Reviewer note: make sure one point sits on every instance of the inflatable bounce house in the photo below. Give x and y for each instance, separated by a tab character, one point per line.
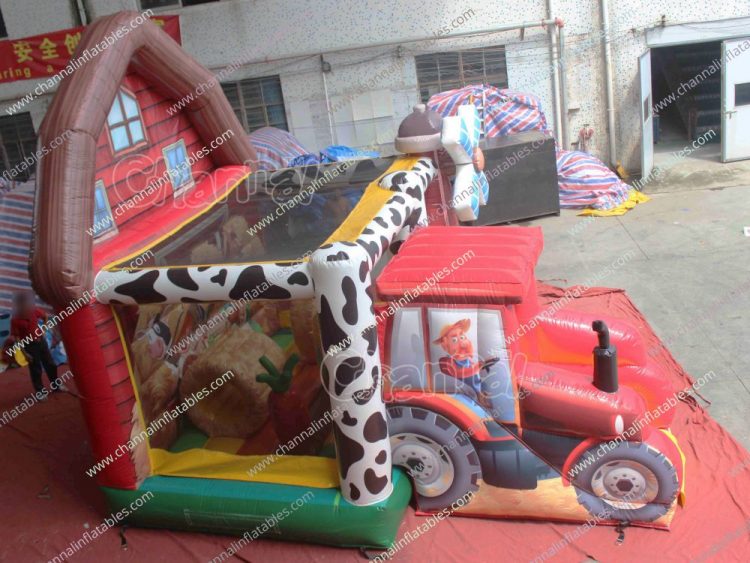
334	338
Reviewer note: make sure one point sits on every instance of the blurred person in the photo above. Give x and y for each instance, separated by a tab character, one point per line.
23	327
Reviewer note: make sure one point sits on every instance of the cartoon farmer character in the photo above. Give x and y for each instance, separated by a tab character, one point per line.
459	362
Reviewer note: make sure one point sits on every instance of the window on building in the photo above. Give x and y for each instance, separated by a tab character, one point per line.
258	102
18	146
438	72
155	4
3	31
125	124
103	221
180	172
742	94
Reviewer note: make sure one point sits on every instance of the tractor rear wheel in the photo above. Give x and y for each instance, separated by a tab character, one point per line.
438	456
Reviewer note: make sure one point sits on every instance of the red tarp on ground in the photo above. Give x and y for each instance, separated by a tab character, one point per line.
48	500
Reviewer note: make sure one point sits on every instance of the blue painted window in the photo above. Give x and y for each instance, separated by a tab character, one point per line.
103	221
180	172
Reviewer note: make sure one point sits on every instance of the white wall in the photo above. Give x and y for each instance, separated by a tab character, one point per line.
628	46
371	89
247	31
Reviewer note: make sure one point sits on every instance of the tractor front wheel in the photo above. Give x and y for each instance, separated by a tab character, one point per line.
632	482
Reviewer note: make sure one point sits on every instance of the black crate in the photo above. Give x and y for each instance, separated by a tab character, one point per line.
522	172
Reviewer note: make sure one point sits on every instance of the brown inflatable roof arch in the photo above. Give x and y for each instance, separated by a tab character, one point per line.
60	262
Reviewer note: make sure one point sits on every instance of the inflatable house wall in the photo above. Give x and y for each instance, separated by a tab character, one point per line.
112	200
113	115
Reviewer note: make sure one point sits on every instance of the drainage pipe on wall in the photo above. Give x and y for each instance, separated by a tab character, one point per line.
325	69
606	38
563	85
555	62
83	16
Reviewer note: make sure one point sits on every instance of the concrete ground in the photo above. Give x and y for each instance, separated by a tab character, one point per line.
700	169
685	262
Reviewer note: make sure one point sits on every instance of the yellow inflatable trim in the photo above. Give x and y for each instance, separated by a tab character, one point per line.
136	390
370	204
303	471
634	198
681	498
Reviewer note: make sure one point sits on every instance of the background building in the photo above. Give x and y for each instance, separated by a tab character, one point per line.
348	72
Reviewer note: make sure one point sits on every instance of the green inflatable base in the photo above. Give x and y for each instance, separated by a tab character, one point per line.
255	510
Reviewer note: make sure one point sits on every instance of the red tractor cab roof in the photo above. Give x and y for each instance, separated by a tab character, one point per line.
463	265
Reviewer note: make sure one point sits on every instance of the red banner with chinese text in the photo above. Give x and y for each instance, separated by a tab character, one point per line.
47	54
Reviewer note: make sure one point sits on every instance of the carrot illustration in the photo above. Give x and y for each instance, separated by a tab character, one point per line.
289	413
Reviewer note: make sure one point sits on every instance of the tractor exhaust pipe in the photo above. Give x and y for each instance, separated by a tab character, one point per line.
605	360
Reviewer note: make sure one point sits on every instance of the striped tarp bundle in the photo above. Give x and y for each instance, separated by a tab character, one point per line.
584	180
16	216
504	112
277	149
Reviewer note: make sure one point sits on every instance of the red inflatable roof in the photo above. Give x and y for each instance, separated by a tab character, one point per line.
463	265
143	230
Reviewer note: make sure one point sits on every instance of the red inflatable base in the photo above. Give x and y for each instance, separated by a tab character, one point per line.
49	500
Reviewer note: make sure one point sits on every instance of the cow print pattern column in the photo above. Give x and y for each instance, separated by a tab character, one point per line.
351	371
195	284
414	183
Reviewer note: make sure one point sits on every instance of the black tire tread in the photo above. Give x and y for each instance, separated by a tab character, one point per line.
462	454
596	506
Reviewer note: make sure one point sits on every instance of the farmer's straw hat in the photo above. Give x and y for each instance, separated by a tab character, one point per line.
463	324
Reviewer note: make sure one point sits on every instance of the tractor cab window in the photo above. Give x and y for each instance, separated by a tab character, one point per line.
408	366
468	356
